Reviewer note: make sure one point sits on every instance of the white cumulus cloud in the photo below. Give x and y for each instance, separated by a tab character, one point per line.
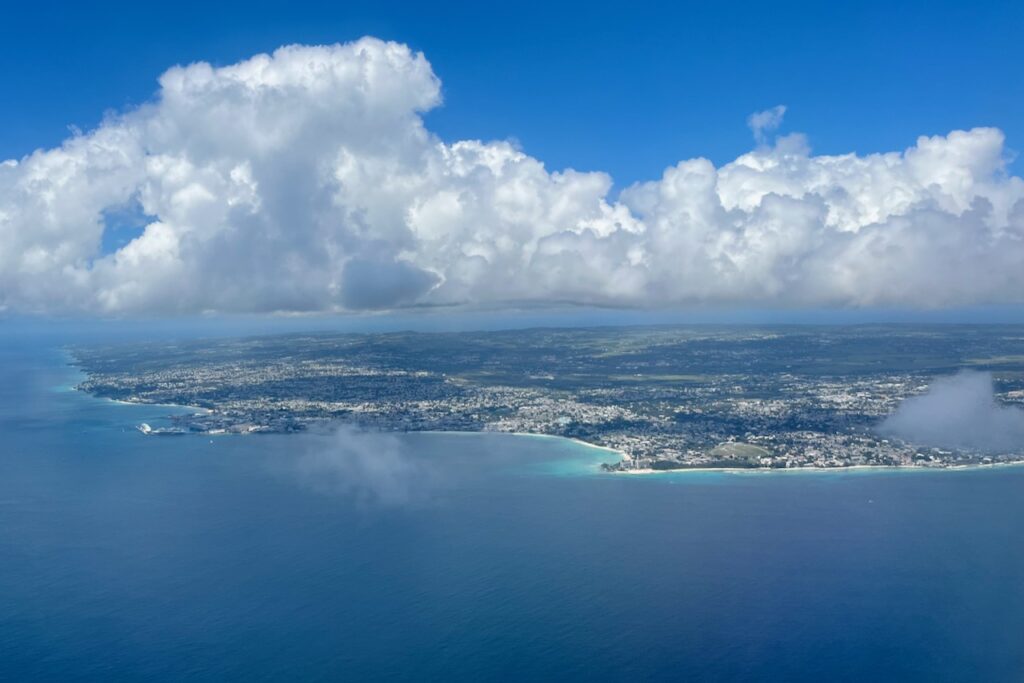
762	122
306	180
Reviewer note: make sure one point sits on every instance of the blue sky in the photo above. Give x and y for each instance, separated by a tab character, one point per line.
627	88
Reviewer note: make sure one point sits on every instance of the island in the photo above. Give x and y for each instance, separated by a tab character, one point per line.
665	397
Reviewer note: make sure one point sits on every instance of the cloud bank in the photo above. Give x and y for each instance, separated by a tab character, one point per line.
306	180
959	412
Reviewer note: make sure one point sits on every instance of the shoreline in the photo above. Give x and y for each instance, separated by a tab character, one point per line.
822	470
138	404
118	401
533	435
74	386
728	470
621	455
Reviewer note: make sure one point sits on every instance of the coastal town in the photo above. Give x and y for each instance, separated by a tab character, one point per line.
665	398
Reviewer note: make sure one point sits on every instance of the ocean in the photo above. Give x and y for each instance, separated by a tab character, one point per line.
340	555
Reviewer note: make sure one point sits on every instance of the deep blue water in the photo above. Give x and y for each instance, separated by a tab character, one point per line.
472	557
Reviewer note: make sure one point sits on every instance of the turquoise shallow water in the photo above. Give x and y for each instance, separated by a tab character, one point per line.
333	556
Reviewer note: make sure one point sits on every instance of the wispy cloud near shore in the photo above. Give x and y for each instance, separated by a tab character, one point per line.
959	412
373	469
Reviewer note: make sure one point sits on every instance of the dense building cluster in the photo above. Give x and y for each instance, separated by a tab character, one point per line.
666	397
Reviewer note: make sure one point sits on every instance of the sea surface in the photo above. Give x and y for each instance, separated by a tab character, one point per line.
341	555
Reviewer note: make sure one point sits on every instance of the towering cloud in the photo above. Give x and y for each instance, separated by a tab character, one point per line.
306	181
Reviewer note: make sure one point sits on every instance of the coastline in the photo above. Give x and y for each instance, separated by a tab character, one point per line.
620	455
864	469
176	406
579	442
821	470
73	385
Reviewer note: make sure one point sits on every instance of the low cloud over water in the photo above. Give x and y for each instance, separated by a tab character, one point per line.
958	412
372	468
